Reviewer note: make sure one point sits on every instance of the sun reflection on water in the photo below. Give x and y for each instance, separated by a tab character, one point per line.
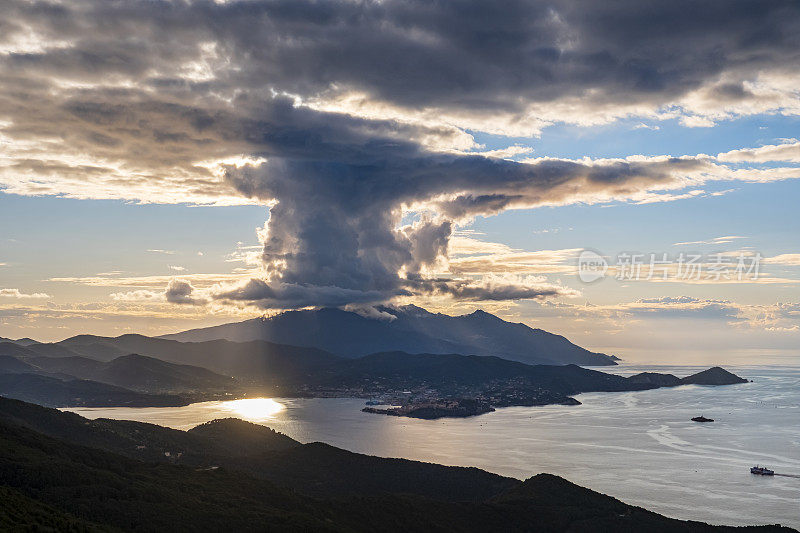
254	409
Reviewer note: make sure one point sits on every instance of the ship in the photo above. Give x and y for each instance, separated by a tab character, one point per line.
762	471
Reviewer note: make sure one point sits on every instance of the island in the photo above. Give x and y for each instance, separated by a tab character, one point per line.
713	376
436	409
418	386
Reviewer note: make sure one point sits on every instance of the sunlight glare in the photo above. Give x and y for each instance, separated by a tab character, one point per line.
254	409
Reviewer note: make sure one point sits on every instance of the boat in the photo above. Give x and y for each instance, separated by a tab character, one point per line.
762	471
702	419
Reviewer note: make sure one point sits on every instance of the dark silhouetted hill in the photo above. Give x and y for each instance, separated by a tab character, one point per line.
50	391
12	365
656	379
713	376
15	350
409	329
137	372
257	361
399	369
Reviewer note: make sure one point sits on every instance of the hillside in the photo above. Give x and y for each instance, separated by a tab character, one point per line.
15	350
12	365
254	361
25	341
138	372
409	329
55	482
268	368
51	391
399	370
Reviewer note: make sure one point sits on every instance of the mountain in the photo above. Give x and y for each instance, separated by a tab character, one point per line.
25	341
13	349
400	370
254	361
51	480
50	350
409	329
713	376
12	365
137	372
51	391
656	379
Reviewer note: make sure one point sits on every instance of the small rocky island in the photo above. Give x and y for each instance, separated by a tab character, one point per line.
713	376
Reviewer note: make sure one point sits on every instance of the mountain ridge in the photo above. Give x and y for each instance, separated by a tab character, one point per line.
411	329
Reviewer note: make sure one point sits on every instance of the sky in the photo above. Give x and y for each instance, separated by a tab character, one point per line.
171	165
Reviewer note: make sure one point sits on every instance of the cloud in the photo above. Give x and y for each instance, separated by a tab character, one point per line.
502	259
177	291
180	292
140	295
346	117
154	282
783	259
782	317
789	152
684	307
15	293
158	251
175	268
492	287
716	240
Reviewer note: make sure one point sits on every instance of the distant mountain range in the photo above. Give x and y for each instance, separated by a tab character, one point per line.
408	329
25	341
89	370
136	372
175	373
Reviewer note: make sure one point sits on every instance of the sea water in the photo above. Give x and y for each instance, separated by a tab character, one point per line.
640	447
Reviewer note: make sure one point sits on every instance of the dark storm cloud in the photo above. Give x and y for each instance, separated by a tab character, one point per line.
336	221
460	54
114	99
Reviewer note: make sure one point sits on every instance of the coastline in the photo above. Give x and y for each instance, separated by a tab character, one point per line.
573	441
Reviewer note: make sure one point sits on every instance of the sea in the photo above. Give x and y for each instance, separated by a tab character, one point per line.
640	447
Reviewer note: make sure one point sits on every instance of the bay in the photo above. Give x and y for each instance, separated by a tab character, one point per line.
640	447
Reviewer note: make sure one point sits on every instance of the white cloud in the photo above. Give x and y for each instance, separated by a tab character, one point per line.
15	293
716	240
156	282
789	151
783	259
140	295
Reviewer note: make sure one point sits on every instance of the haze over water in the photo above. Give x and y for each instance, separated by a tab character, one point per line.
640	447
